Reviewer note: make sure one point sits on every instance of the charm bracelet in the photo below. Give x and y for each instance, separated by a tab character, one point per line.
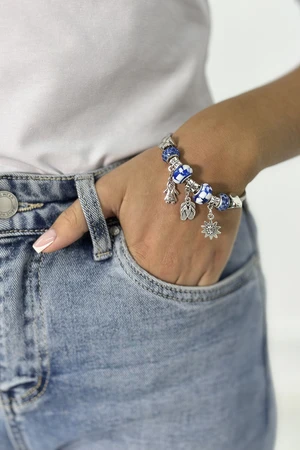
201	193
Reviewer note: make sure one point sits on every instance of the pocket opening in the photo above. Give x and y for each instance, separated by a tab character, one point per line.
233	282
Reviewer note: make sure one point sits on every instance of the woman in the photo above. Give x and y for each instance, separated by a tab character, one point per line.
122	325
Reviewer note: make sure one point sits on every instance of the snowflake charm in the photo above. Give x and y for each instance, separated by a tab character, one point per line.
211	229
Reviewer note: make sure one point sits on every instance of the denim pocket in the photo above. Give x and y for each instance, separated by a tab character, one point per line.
242	267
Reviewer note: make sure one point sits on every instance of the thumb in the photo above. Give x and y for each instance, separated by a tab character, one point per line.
69	226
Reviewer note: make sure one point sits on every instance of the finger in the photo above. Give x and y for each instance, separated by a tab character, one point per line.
211	275
208	280
71	223
67	228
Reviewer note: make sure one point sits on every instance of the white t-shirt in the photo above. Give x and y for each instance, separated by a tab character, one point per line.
85	83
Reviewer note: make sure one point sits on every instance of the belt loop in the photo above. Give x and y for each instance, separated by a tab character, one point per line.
97	225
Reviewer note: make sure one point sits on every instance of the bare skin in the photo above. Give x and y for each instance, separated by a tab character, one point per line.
227	145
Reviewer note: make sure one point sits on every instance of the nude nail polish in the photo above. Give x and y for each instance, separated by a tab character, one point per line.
44	240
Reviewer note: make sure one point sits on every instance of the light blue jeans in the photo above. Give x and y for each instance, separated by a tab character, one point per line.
98	354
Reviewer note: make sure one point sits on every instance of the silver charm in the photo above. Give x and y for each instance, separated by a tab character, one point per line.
210	229
187	208
171	191
166	141
195	187
236	201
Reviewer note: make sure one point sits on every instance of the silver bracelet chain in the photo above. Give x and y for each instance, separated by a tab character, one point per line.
202	193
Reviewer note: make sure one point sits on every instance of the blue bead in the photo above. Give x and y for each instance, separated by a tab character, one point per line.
225	202
182	173
203	195
169	152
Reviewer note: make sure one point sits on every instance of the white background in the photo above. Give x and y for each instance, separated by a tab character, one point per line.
252	43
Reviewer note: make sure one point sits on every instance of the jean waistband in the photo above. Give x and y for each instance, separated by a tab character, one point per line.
32	187
30	203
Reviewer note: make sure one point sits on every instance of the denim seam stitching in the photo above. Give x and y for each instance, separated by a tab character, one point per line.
95	237
40	378
37	178
37	350
245	276
29	207
96	231
18	438
16	230
103	253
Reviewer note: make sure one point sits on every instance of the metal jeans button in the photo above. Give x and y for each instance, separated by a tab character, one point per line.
8	204
114	230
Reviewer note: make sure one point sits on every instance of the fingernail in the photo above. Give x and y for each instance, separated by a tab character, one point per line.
45	240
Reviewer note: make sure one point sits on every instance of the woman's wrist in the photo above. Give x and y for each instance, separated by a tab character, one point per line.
221	150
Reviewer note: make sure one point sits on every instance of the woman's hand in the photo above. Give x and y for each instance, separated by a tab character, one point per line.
227	145
169	248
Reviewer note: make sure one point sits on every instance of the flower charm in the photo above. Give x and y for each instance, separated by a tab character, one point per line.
211	229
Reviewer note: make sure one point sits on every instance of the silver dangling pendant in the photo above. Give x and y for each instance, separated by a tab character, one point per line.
188	207
210	229
171	191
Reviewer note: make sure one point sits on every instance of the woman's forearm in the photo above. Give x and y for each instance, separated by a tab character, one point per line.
273	112
230	142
